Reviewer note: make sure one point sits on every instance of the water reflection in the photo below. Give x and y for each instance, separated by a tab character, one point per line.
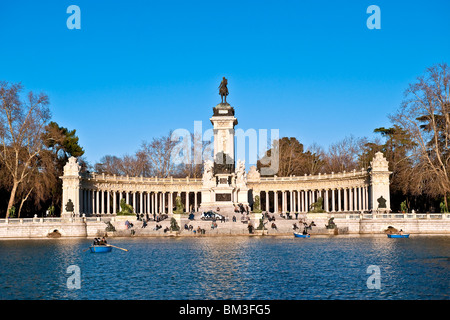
228	268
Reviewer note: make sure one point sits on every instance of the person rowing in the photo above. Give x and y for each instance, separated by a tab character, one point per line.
100	242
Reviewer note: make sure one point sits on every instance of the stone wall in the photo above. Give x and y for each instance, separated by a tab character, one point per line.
40	228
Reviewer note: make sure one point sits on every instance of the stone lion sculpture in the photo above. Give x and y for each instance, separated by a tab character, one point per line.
317	206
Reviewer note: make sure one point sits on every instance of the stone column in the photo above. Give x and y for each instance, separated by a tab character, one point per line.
195	202
92	201
108	198
291	202
275	200
366	198
187	201
71	186
351	198
304	199
155	202
345	199
97	209
360	202
326	204
164	201
333	204
379	183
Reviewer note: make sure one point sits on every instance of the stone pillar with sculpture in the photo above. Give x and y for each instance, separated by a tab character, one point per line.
71	189
379	184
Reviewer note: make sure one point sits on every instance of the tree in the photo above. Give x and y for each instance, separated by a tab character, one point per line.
291	160
314	159
344	155
60	144
62	141
158	154
21	126
425	117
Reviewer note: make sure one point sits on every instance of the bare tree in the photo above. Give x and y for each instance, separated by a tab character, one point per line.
314	159
158	154
344	154
21	126
425	117
192	164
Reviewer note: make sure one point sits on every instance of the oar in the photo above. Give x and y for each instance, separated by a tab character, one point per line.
117	247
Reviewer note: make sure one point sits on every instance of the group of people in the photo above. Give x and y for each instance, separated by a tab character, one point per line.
241	209
100	242
145	217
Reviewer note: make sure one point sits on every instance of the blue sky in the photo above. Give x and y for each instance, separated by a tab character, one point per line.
137	69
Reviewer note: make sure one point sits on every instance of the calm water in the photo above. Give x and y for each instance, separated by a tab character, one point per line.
228	268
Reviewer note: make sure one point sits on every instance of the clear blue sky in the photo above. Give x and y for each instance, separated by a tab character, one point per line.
137	69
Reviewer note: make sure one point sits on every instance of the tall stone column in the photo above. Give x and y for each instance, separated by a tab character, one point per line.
345	199
275	200
291	202
97	199
108	208
71	187
338	199
333	204
165	199
187	201
195	201
360	207
92	201
379	193
115	202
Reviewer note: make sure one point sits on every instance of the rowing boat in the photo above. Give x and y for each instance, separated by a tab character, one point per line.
301	235
100	249
398	235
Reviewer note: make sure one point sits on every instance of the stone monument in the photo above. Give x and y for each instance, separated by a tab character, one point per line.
379	176
224	184
71	188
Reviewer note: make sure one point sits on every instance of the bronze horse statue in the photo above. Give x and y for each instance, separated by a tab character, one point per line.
223	89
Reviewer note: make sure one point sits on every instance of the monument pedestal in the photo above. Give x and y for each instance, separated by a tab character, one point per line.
220	197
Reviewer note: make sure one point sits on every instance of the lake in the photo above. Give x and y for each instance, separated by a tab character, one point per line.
216	268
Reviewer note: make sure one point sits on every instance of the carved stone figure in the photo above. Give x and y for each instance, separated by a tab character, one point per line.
316	207
179	205
241	176
253	174
208	173
257	205
72	168
331	224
